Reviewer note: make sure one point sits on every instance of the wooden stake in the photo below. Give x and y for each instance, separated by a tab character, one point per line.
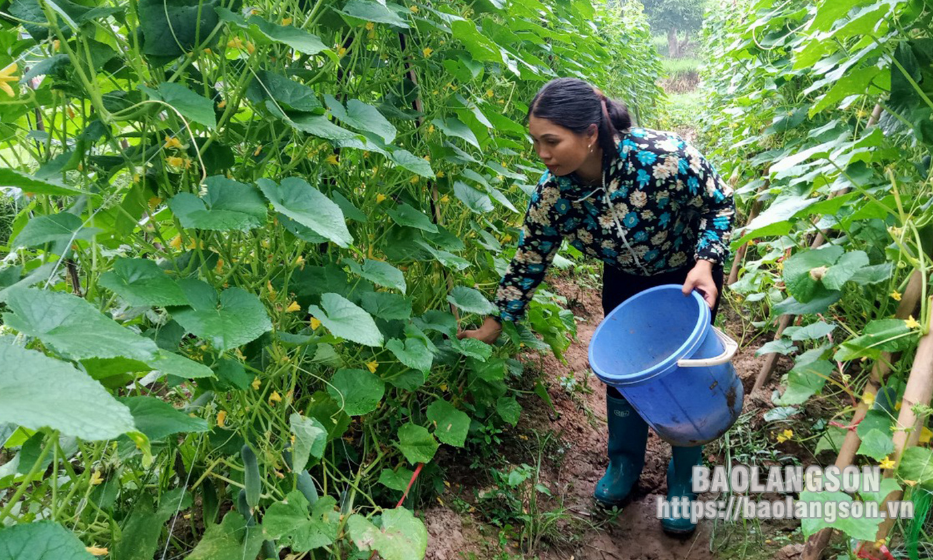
919	391
817	543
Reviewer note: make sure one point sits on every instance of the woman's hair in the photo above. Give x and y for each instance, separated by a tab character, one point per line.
574	104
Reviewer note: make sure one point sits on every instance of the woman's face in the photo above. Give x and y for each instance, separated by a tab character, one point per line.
562	150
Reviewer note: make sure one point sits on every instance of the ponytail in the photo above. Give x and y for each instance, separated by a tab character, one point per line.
575	105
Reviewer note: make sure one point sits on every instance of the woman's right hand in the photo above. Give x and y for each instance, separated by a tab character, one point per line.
488	332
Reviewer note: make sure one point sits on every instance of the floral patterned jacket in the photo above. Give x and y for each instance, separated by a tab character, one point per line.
661	207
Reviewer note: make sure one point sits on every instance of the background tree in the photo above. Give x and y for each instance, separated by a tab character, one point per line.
673	16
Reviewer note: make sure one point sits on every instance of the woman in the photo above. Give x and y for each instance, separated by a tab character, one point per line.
650	207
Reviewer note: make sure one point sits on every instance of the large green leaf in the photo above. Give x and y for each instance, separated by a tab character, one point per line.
310	440
876	444
158	419
301	526
53	228
320	125
142	282
405	215
345	319
234	319
362	116
452	126
804	381
288	94
416	443
477	201
803	271
508	409
170	27
379	272
41	540
481	47
450	425
179	366
357	390
446	258
844	269
857	528
227	205
298	39
400	536
38	391
412	352
411	162
387	306
13	178
880	335
917	465
374	11
73	327
306	205
192	106
470	301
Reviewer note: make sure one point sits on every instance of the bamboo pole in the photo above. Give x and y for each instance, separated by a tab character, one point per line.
767	367
919	391
909	303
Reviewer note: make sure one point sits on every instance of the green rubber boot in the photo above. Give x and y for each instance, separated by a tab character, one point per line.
628	437
679	485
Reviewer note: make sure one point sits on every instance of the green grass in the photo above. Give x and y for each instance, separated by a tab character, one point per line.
674	66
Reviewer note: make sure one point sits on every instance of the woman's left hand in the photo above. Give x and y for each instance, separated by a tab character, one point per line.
701	279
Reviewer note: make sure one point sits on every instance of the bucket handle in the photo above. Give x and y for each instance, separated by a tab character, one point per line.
730	347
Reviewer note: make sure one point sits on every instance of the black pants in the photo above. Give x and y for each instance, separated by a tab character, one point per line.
619	286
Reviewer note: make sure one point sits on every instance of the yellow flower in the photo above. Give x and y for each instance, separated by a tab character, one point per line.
235	43
315	323
372	366
286	21
221	418
440	174
911	323
925	435
785	435
910	482
177	161
332	159
370	26
427	51
6	76
868	399
176	242
258	150
431	129
300	261
489	93
507	238
293	307
220	266
96	478
341	51
222	104
96	551
445	199
56	44
250	48
414	9
414	180
379	198
172	142
888	463
896	295
275	397
255	384
271	289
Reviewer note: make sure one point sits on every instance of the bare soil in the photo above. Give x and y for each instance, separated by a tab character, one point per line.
580	426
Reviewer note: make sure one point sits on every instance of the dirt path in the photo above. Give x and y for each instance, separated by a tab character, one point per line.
580	426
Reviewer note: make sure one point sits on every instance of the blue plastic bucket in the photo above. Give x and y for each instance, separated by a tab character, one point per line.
660	351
